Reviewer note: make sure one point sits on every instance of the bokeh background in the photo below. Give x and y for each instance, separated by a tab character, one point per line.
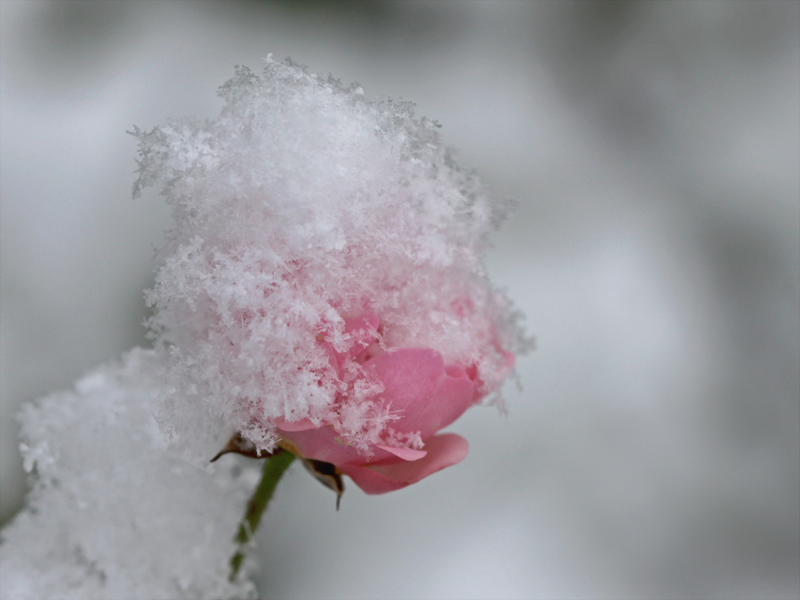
652	447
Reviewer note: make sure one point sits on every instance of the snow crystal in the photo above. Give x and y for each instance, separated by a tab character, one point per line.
113	513
304	204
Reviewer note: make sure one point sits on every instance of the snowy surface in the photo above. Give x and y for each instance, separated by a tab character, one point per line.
114	513
654	446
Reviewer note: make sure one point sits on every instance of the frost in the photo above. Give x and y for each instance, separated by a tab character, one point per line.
301	205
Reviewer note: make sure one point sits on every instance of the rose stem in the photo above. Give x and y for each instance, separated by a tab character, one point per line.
274	467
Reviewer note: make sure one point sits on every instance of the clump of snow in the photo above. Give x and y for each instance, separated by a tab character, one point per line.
302	205
113	513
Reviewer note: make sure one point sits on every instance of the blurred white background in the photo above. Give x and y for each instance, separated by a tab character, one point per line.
654	148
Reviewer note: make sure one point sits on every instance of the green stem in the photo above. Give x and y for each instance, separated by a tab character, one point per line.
274	467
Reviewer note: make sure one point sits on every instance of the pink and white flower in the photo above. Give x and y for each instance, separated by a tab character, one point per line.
423	395
323	286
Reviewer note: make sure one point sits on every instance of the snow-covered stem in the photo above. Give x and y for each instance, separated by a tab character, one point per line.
274	467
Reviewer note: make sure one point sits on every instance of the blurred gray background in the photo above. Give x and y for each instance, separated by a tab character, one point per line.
654	147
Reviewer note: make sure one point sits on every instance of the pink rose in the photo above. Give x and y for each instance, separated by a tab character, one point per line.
425	394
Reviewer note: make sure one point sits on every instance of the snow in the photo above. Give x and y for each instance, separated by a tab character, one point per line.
115	512
304	204
301	206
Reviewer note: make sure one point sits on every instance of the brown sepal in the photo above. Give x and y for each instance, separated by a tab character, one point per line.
327	474
324	472
241	445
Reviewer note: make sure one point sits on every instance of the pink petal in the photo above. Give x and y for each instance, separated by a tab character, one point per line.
362	330
404	453
392	474
301	425
322	443
456	371
418	387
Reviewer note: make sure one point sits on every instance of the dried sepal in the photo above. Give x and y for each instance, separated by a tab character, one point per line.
327	474
241	445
